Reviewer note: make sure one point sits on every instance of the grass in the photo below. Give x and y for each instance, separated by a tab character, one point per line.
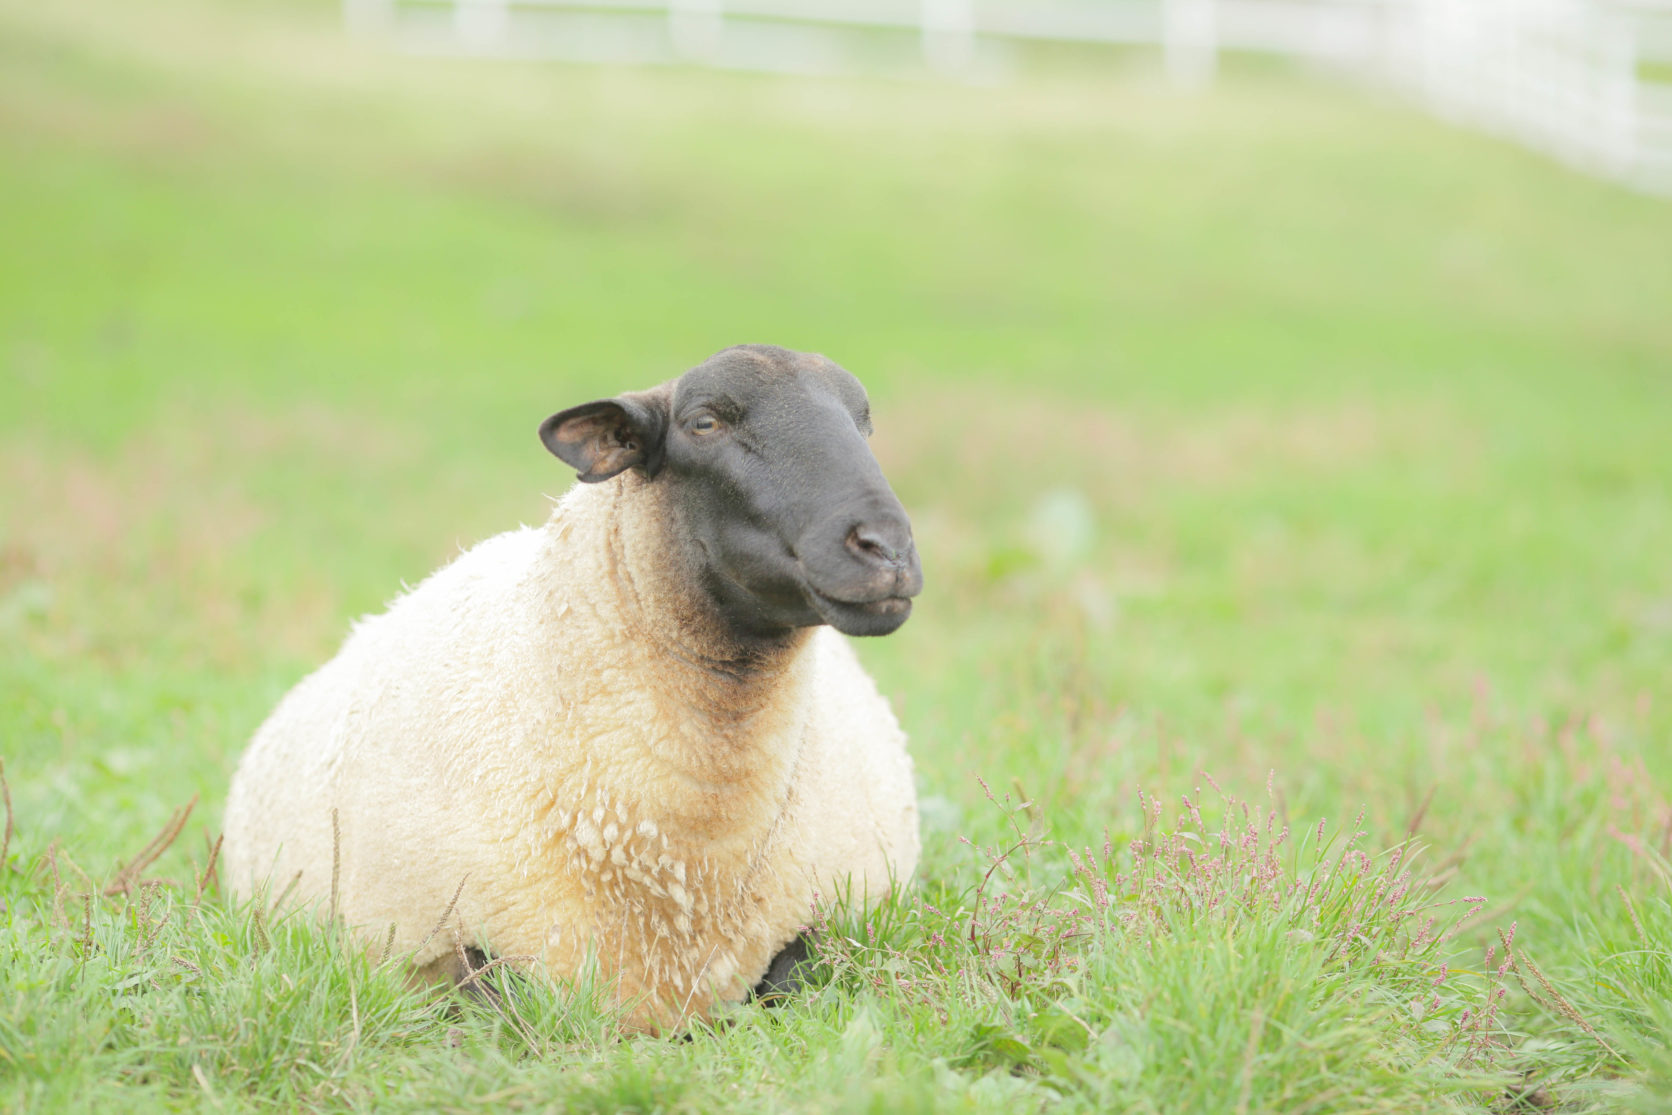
1279	429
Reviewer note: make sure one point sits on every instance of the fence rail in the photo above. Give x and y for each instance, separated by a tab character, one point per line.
1587	81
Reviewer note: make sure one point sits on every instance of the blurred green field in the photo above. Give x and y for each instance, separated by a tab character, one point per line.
1277	429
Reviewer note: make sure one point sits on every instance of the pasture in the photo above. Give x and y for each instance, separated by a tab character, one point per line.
1276	453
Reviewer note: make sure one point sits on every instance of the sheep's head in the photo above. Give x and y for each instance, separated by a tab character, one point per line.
782	510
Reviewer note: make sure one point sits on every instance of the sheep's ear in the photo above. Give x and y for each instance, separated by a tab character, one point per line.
603	439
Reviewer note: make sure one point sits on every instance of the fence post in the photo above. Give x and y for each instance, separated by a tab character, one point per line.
1189	42
1619	94
365	17
696	27
481	23
948	34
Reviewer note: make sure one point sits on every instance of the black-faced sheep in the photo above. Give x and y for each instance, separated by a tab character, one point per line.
632	732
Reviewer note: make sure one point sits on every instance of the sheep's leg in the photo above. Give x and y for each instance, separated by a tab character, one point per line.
459	969
479	989
783	976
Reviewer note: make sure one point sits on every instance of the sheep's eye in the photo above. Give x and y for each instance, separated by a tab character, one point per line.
704	424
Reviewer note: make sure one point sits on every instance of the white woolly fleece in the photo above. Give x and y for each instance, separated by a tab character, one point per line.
544	719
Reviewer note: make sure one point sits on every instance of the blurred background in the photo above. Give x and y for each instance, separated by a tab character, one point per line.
1269	382
1589	81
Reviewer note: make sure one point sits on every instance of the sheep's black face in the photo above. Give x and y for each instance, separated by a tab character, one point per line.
783	509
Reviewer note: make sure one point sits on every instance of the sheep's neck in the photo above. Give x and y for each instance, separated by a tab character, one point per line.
659	586
722	717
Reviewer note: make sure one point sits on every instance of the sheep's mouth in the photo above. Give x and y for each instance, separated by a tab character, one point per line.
875	616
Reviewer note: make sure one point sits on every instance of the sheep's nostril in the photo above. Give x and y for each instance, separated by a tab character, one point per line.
869	544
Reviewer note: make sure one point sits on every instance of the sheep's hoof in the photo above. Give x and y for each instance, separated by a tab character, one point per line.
783	975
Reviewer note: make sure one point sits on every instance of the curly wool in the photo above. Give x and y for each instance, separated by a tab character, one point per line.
552	720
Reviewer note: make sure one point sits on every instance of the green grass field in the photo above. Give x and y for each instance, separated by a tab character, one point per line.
1278	440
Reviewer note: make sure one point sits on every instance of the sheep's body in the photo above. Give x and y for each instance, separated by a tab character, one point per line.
541	720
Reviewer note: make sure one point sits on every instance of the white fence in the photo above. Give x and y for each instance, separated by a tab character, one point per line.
1588	81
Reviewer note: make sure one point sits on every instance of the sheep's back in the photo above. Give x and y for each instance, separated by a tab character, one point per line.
392	733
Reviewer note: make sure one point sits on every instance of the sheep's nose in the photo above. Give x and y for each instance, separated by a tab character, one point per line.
878	545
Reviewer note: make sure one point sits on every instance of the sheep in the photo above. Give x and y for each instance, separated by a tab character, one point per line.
631	743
